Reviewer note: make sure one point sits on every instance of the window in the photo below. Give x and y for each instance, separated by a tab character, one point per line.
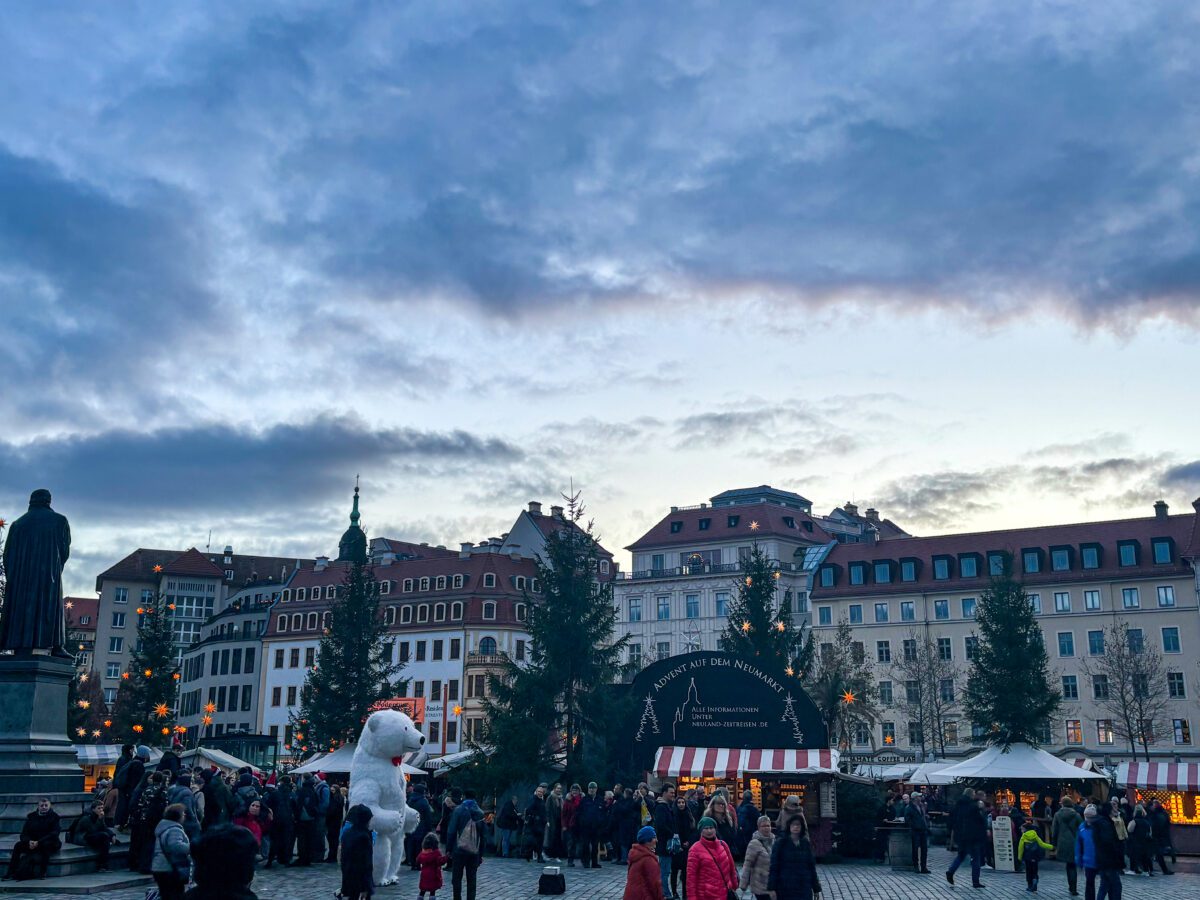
1166	595
456	611
312	621
883	651
881	612
1127	553
279	658
1035	603
405	614
914	734
945	649
676	527
907	611
862	733
439	612
1062	601
423	612
294	658
1130	598
1095	643
824	615
635	609
1176	689
118	620
297	622
941	609
1066	643
487	646
971	646
422	646
664	649
663	605
489	610
116	644
249	661
282	624
112	670
635	654
418	688
858	573
1183	734
856	616
1135	640
692	605
910	650
885	693
389	616
950	733
1074	731
941	568
1070	687
489	579
120	595
1161	548
732	521
995	562
291	696
1091	599
1060	559
889	733
858	652
723	603
1104	731
883	572
404	649
908	570
946	690
968	607
968	566
1170	640
276	696
235	661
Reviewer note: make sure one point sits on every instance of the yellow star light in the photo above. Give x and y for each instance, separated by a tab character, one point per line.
147	673
138	728
81	731
889	740
848	697
179	729
210	707
779	626
458	710
162	710
84	704
70	605
157	569
96	732
745	626
754	526
166	730
108	723
176	676
789	671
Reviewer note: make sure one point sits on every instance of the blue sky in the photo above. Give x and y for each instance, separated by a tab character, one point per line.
938	260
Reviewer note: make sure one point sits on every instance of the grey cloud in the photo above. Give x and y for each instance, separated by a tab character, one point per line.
119	474
941	499
1184	476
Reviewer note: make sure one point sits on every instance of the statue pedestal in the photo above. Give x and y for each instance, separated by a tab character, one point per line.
36	756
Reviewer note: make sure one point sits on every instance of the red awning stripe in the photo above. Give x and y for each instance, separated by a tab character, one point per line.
720	762
1163	776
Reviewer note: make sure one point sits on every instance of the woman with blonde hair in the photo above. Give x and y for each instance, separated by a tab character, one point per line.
756	870
718	811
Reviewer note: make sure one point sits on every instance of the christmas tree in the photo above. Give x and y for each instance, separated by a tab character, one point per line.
86	711
354	667
144	711
761	630
1009	692
649	719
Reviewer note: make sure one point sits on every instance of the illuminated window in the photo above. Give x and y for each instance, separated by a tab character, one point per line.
1074	731
1183	734
1104	731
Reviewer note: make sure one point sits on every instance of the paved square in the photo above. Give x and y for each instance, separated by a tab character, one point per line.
505	879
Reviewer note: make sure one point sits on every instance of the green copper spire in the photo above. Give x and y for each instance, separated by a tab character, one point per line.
353	546
354	511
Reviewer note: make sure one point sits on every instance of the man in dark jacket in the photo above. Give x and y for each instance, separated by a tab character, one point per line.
590	818
918	828
508	823
224	864
39	839
970	831
664	828
535	825
126	781
218	800
282	802
625	825
426	820
464	858
747	817
309	820
90	831
1109	858
334	816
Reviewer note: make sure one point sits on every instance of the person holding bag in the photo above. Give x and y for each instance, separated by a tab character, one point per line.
711	874
793	874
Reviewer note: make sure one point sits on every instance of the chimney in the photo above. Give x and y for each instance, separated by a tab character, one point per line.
1160	509
872	515
535	508
464	549
850	509
556	511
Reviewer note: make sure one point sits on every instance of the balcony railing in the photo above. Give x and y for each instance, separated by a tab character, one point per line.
698	569
485	659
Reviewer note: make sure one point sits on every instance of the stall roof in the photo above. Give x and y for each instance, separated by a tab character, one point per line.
930	773
720	762
1161	776
105	754
1020	761
338	762
454	760
211	755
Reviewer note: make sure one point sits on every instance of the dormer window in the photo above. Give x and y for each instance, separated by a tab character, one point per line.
996	563
439	612
282	625
941	568
828	576
330	591
1060	559
405	615
858	573
732	521
458	581
676	527
441	582
605	567
287	595
408	585
704	524
908	570
520	612
489	610
300	593
789	522
456	610
1162	551
883	572
968	565
1031	560
423	612
1127	553
1089	555
519	582
425	584
489	579
385	587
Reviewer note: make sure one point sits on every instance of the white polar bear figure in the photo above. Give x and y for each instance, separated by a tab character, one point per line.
378	783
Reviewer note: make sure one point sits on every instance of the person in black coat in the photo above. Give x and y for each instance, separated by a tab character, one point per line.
969	827
1110	859
283	827
686	831
626	823
356	854
535	825
747	818
90	831
224	864
39	840
793	872
508	823
127	782
426	820
334	815
590	819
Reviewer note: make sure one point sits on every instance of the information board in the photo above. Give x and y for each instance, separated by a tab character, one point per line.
1002	843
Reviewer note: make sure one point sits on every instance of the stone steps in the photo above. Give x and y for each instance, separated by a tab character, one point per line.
71	859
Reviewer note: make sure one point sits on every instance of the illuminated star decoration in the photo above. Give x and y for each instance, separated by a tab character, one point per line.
210	707
147	673
70	604
745	626
96	733
848	697
138	728
180	729
889	740
84	704
81	731
125	675
789	671
83	677
754	526
166	730
108	723
176	676
458	710
780	626
207	720
157	569
162	710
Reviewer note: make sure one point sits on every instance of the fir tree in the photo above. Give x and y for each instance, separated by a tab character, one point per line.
649	721
353	667
842	685
1009	694
761	630
145	703
543	708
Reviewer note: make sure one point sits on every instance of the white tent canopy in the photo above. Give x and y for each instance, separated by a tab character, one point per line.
203	757
338	762
1021	761
930	773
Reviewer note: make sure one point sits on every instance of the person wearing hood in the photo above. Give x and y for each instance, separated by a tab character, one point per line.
1107	854
624	825
425	823
126	782
793	874
181	792
642	881
218	800
711	874
756	868
171	865
792	807
224	864
170	762
1064	830
356	854
747	820
466	851
1160	821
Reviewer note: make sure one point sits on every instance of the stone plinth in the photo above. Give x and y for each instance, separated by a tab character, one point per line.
36	756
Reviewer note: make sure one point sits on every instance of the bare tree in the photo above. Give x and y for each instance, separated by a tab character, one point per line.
1129	682
927	681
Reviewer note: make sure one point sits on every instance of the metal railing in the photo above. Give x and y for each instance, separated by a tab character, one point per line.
698	569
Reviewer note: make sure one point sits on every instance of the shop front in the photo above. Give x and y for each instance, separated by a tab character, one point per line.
715	721
1177	787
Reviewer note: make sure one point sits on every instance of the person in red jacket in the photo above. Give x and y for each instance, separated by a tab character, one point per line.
644	880
431	859
249	820
570	824
711	874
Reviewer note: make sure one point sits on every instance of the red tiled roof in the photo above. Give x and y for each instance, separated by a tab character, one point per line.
768	517
137	566
552	524
1179	528
82	607
194	563
473	566
1192	551
418	551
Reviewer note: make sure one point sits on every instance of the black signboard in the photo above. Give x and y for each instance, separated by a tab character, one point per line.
709	699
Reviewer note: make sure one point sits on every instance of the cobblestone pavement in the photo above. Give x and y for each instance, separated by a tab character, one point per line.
503	879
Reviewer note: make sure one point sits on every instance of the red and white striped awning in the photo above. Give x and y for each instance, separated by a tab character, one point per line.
1084	763
1163	776
721	762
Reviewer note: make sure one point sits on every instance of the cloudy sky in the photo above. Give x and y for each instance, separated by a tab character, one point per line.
940	259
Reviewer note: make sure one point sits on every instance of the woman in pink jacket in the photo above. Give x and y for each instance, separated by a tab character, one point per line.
711	874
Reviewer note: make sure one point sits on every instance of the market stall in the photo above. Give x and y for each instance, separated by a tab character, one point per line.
338	762
207	757
1177	787
99	760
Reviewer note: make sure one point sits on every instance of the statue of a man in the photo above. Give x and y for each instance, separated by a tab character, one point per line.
34	555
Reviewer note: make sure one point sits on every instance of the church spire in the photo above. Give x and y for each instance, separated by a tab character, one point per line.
353	546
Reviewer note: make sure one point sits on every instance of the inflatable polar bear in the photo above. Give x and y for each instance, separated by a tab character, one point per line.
377	782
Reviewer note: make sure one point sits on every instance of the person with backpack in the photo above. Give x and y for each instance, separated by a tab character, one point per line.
464	841
181	793
151	804
218	800
356	843
91	831
1031	850
126	781
172	863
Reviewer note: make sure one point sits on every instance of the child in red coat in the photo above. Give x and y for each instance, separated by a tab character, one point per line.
431	859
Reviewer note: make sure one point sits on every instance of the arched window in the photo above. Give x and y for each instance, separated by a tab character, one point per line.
300	593
489	610
439	612
489	579
327	620
456	611
487	646
520	582
390	616
287	595
408	585
423	612
297	622
405	615
312	620
441	582
520	612
424	584
330	591
385	587
458	581
282	626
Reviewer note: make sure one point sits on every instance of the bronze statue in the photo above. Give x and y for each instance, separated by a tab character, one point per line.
34	555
